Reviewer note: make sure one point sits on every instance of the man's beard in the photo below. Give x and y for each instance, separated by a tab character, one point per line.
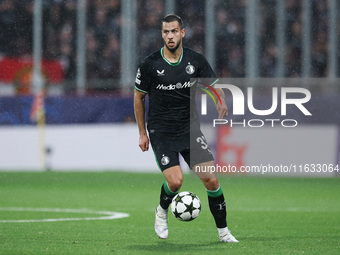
172	50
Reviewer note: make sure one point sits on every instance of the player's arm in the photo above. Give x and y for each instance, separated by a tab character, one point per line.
207	72
222	109
139	106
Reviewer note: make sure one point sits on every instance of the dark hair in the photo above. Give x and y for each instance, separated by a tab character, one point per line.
172	17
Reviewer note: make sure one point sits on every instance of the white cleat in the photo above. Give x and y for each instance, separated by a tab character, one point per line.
161	223
227	237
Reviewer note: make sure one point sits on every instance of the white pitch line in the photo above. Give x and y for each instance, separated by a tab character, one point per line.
108	214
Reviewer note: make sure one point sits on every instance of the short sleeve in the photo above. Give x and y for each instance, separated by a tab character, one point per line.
205	70
142	83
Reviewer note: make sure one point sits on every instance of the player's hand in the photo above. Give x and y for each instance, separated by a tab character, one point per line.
144	142
222	109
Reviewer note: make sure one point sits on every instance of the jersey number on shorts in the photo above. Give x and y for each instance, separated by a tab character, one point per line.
203	142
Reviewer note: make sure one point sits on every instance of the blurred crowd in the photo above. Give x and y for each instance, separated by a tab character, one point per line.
104	27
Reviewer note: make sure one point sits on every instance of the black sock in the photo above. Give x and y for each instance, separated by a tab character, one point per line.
218	209
166	196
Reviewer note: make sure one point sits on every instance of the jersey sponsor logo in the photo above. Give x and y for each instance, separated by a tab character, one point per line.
178	85
160	73
190	69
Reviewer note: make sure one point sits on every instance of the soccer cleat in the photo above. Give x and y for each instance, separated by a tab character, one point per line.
161	223
227	237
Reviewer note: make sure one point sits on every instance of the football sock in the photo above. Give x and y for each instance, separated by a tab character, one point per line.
222	230
166	196
218	207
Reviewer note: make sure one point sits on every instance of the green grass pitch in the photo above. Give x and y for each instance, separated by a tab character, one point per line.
267	215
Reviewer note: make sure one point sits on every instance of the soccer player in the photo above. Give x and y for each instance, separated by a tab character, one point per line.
165	77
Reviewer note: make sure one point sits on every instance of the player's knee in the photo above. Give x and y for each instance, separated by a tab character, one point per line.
175	184
211	183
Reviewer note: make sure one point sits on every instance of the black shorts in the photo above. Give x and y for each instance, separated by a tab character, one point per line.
167	148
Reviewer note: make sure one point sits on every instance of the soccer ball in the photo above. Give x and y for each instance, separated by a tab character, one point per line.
185	206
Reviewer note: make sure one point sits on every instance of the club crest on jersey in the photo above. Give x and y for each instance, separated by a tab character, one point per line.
190	69
165	160
160	73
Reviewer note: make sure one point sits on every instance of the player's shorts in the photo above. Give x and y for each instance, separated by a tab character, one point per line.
168	147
